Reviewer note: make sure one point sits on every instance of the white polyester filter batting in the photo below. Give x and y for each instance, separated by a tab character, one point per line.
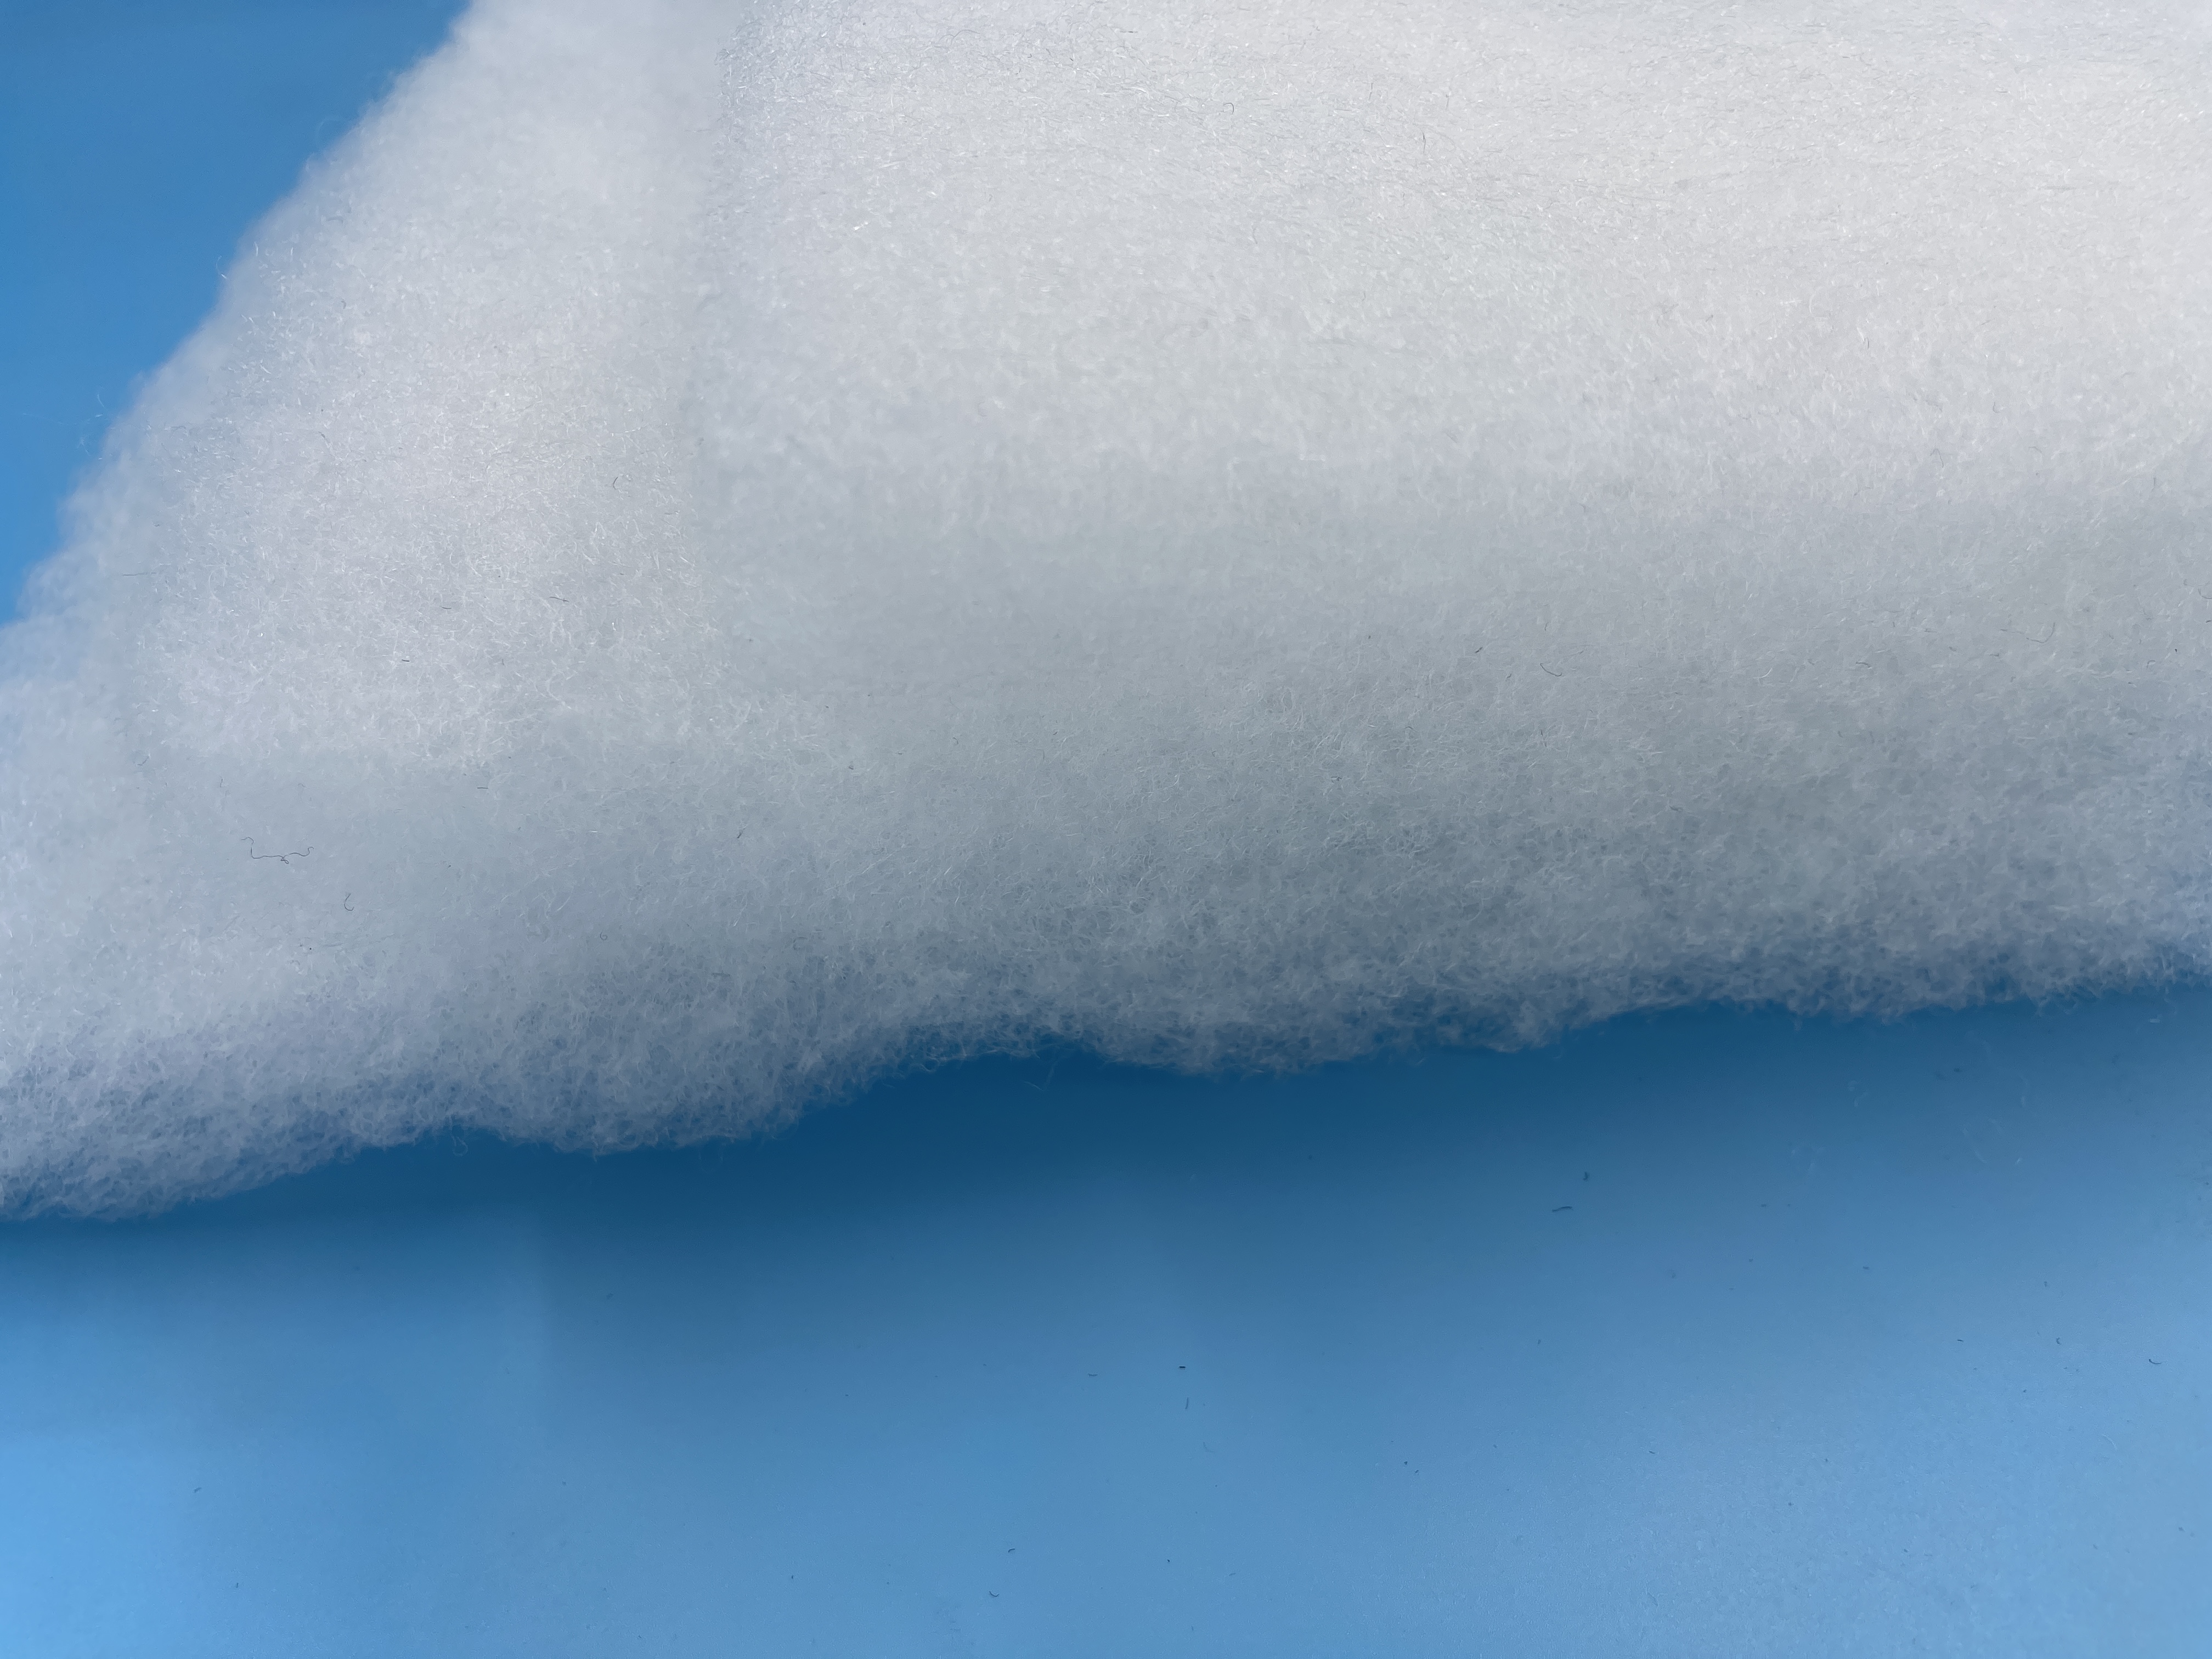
711	550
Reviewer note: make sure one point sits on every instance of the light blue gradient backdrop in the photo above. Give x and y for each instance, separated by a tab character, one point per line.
1704	1335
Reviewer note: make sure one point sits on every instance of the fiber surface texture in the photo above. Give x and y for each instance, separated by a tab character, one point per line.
710	551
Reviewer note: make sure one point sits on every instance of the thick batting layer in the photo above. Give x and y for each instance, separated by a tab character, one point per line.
713	549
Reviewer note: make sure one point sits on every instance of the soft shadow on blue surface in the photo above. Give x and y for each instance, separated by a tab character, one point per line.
139	140
1704	1335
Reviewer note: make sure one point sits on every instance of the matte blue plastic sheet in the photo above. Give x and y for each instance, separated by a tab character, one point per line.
1707	1335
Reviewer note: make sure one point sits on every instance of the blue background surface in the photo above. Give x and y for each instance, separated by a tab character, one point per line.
1707	1335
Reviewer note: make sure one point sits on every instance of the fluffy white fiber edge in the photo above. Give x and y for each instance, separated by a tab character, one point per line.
713	549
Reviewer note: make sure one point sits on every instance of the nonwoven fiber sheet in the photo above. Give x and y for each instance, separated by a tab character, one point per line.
712	550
